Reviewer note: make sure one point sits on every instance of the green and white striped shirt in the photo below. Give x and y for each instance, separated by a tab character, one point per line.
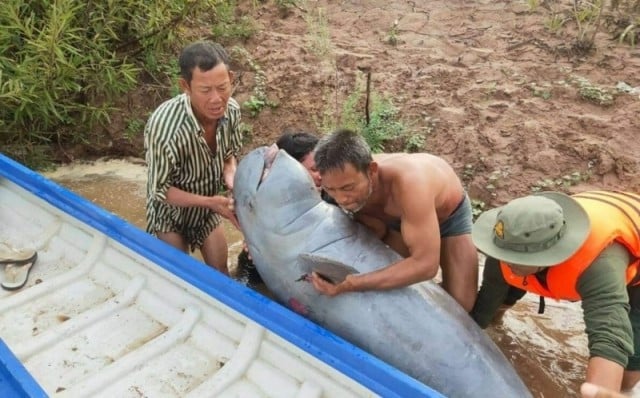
177	155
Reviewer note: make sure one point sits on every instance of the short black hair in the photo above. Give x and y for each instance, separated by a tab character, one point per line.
298	145
205	55
342	147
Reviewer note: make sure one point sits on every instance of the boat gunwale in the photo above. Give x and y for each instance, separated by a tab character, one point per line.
355	363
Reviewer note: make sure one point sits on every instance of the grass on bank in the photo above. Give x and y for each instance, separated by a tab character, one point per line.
579	22
374	116
66	65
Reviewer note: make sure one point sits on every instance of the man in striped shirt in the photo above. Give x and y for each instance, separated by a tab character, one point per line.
191	144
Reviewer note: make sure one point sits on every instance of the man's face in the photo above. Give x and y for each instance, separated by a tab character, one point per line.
350	188
524	270
309	163
209	92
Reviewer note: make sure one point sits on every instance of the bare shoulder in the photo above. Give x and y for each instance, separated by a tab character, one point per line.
410	175
418	157
418	179
418	166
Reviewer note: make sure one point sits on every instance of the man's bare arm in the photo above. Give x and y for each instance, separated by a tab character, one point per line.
589	390
388	235
420	232
605	373
229	171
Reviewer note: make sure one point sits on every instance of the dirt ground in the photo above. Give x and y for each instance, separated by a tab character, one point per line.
484	82
491	90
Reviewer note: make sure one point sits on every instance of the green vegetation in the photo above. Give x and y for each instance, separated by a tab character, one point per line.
247	132
383	124
477	208
624	21
135	127
392	35
228	26
631	33
533	4
554	23
318	28
64	64
566	181
587	16
255	104
259	100
414	142
285	6
618	18
592	93
543	93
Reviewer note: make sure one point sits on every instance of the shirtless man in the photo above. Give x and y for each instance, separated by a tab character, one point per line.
415	203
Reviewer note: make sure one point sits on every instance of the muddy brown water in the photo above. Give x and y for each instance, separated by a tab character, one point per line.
548	350
119	187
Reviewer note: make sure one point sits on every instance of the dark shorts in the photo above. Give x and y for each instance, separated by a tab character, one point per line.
194	224
460	221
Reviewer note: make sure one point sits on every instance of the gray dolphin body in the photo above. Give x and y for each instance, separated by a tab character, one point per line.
420	329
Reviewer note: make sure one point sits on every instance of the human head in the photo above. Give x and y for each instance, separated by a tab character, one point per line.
340	148
205	77
346	166
539	230
300	146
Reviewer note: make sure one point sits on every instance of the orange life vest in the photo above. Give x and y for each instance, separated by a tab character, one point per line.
614	216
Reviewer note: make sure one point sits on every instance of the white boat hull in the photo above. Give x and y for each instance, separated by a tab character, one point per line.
109	311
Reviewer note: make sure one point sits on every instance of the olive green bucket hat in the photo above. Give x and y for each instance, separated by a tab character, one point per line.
539	230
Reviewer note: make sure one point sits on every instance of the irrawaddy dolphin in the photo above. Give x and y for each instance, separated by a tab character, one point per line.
420	329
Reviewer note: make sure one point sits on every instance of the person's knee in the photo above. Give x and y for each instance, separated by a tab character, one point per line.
461	290
214	249
459	252
174	239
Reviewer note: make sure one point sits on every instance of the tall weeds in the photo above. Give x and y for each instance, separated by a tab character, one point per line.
64	62
379	126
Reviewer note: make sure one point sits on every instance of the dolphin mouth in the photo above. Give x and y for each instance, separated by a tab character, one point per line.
250	173
270	155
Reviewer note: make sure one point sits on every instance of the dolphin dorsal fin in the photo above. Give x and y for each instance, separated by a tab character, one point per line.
330	269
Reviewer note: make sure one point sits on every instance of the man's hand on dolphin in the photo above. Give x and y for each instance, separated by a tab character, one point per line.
327	288
226	209
588	390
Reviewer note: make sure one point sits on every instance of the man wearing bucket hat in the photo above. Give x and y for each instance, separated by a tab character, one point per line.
582	247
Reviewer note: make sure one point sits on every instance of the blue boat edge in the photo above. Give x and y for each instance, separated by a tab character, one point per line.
15	379
317	341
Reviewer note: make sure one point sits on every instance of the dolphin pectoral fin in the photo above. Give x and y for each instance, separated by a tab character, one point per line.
330	270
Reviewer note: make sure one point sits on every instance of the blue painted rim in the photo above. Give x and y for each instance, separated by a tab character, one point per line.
15	379
355	363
